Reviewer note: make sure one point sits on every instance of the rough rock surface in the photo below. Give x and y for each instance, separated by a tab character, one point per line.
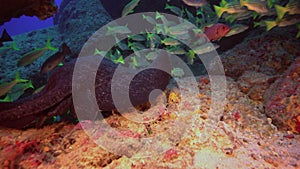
254	84
77	20
195	142
27	42
42	9
269	56
270	53
282	99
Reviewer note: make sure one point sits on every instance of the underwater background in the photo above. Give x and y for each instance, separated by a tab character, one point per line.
231	100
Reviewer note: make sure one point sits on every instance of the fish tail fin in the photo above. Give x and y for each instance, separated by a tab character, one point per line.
270	24
280	10
255	15
18	79
109	29
13	46
256	24
223	3
6	99
158	15
48	45
242	2
144	16
168	6
121	60
30	85
219	10
270	3
229	18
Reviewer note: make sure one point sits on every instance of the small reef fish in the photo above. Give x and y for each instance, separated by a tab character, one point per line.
151	56
230	8
5	87
149	19
207	47
123	46
195	3
236	29
286	21
5	37
160	28
153	37
133	64
11	46
39	89
291	8
261	23
174	9
117	30
271	12
176	50
18	90
6	99
215	32
238	16
136	46
117	57
165	22
137	37
199	50
190	57
5	48
119	60
98	52
170	41
190	16
129	7
177	30
177	72
255	5
55	59
271	3
31	56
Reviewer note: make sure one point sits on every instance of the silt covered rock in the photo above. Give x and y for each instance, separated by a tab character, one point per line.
77	20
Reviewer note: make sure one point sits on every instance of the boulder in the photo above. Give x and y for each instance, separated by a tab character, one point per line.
77	20
282	99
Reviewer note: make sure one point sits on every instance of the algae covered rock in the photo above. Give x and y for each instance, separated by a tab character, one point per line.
282	99
77	20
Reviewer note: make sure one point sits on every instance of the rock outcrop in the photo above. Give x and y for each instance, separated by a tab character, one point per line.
42	9
282	99
77	20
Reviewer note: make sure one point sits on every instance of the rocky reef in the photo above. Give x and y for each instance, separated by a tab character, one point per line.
282	99
259	127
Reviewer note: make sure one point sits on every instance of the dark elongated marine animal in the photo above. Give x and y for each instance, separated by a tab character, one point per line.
56	97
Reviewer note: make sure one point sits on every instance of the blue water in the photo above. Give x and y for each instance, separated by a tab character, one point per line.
26	24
